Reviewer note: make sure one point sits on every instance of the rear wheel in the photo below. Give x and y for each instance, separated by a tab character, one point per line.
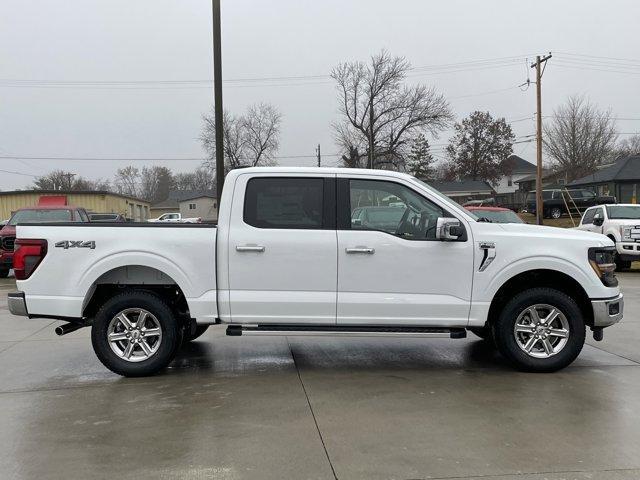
540	330
135	334
4	273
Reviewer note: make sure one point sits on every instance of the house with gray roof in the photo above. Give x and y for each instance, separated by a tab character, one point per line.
171	204
465	190
620	179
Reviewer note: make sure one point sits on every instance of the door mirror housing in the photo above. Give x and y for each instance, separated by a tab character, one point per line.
449	229
598	221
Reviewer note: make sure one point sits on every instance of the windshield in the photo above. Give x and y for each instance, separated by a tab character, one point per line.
631	212
499	216
40	216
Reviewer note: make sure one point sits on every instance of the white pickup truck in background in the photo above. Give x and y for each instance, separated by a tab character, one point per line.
174	218
292	254
621	223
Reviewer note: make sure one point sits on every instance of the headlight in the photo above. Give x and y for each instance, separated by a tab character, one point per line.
602	260
625	233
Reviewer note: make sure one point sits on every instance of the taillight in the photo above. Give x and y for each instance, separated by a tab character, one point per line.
27	256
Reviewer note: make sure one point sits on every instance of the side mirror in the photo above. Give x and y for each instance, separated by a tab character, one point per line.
598	221
448	229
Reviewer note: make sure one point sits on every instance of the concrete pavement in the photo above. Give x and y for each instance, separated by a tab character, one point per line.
361	408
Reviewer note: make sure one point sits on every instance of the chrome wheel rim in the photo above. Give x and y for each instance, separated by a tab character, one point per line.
134	334
541	330
555	213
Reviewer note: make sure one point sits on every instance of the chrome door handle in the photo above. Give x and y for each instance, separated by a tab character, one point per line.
367	250
249	248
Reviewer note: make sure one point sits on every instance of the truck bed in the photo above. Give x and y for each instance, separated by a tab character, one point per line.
143	253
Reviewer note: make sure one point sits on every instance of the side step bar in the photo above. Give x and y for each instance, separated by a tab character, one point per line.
350	330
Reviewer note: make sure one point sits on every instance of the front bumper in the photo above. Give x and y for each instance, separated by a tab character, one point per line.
17	304
607	311
628	251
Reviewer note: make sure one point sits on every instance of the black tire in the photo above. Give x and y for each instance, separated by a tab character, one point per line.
167	348
4	273
200	329
503	330
555	212
622	264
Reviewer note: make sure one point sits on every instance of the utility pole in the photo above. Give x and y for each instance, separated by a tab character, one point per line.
371	132
537	65
217	98
319	156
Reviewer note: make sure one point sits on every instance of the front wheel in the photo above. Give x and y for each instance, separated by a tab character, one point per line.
540	330
135	334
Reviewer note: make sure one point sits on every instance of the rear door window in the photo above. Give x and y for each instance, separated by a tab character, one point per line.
292	203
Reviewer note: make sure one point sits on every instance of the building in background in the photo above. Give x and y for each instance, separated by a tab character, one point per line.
131	208
465	190
507	191
202	205
620	179
171	204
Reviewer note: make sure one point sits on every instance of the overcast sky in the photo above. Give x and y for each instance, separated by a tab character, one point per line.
104	42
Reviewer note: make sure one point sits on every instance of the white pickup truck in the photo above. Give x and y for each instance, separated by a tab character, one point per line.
621	223
174	218
288	258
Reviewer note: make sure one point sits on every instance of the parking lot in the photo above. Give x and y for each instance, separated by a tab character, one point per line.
235	408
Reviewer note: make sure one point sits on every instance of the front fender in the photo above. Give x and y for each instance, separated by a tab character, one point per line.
586	278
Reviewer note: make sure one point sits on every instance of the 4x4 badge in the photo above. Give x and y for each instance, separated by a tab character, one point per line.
76	244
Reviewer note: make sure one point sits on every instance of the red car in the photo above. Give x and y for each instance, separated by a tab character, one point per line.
496	214
38	214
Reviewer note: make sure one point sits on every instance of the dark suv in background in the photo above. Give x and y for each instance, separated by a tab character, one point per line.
554	205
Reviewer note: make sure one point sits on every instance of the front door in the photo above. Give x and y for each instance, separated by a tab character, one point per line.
282	250
391	269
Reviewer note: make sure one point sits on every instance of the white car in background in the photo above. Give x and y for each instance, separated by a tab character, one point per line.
175	218
621	223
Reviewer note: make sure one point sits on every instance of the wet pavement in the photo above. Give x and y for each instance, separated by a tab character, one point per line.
298	408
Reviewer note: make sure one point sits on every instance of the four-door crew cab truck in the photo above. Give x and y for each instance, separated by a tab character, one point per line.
621	223
286	258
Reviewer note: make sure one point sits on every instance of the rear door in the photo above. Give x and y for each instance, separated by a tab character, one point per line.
283	249
391	269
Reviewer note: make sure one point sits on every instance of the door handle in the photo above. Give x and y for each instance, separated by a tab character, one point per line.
367	250
249	248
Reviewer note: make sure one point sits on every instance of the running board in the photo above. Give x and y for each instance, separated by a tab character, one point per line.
350	331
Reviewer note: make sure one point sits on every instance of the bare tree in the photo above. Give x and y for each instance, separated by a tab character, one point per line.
250	140
156	183
480	147
200	179
63	180
127	181
628	146
579	137
381	114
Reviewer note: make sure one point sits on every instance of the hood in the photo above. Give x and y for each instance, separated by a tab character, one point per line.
528	230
